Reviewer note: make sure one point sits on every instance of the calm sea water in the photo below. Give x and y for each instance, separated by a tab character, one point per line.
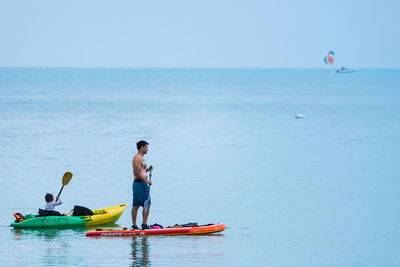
226	147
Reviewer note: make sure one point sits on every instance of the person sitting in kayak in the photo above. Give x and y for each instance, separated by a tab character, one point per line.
140	185
50	205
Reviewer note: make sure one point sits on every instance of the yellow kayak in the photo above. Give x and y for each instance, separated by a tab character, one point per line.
106	215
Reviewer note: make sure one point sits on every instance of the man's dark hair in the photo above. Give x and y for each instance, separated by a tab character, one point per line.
48	197
140	144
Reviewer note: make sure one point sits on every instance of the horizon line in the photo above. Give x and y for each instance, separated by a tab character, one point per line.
136	67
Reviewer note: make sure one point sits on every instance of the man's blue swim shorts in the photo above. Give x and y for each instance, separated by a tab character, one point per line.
140	192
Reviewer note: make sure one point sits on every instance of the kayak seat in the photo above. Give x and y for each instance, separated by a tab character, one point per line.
81	211
43	213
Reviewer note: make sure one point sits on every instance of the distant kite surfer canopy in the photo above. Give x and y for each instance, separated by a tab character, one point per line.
328	59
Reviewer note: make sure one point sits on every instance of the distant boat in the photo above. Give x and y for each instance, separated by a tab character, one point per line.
346	70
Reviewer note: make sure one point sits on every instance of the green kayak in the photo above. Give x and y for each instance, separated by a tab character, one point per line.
99	217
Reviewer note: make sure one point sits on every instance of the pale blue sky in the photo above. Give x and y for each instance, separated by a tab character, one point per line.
251	33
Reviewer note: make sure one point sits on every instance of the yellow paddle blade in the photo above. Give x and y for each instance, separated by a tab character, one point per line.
66	178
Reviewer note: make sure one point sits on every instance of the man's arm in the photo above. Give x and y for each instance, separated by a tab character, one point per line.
149	168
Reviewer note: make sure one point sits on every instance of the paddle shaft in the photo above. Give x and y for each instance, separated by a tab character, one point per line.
60	191
149	187
146	202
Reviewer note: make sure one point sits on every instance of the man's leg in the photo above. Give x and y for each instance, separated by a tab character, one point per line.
146	215
134	215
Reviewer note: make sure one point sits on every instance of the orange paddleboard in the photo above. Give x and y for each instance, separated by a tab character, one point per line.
197	230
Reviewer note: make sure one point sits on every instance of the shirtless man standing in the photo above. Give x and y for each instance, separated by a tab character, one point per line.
140	186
